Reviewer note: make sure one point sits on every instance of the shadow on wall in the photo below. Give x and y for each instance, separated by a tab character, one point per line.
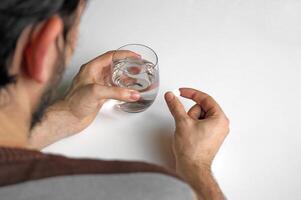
163	139
161	134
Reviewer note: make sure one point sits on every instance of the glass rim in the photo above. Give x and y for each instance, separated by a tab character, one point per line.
143	45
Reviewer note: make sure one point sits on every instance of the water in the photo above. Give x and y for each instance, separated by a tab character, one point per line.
140	75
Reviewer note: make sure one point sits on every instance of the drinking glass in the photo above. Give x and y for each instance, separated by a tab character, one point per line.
141	74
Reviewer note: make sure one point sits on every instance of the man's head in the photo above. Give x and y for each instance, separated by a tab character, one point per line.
36	40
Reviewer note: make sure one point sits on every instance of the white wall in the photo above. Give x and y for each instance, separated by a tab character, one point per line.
244	53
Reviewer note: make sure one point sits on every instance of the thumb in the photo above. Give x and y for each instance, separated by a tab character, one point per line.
102	92
175	107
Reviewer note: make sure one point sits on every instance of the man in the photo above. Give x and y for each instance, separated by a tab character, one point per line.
37	40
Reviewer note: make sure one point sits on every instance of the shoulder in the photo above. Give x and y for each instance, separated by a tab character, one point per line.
20	165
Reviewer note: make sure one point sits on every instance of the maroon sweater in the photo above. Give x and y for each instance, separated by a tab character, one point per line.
20	165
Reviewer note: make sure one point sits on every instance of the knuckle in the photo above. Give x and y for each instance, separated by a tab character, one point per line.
195	95
209	98
171	106
110	53
219	123
223	120
227	121
121	93
85	68
82	68
88	67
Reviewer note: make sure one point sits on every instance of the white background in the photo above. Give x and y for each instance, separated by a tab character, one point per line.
245	53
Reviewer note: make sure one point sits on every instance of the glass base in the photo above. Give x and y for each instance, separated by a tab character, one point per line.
135	107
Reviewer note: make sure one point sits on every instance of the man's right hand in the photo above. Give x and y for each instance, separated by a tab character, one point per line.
198	137
89	91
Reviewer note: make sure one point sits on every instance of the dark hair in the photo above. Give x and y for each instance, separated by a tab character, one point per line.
16	15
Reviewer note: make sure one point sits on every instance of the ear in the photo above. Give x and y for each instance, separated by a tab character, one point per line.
39	50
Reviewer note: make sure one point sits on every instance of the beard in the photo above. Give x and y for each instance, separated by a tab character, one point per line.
48	97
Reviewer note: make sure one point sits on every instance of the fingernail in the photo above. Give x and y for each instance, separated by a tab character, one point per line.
169	96
134	95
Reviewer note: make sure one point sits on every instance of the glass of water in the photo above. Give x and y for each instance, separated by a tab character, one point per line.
141	74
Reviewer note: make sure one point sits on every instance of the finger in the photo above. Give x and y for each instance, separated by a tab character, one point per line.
122	54
195	112
106	92
134	70
206	102
175	107
107	58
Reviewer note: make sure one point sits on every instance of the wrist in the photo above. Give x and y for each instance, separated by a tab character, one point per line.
192	171
56	124
185	163
199	176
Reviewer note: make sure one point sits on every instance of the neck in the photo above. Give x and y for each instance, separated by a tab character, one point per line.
12	132
13	123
